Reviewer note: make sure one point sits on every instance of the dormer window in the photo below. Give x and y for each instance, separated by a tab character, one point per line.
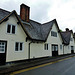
11	29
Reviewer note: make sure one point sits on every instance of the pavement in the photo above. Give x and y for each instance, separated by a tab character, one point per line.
11	67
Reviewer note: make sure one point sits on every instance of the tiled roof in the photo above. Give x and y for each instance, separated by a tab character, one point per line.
3	13
66	37
39	31
34	30
46	27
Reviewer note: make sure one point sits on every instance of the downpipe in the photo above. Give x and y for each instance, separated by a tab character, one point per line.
29	50
63	49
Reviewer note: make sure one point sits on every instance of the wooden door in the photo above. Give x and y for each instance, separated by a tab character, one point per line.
3	45
54	50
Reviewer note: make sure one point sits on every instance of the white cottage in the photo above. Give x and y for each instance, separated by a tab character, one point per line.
13	45
22	38
68	43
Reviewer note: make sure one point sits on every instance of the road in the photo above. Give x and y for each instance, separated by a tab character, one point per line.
62	67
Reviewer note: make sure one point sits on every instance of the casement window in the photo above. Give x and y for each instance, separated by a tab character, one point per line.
46	46
18	46
53	33
11	29
60	46
72	47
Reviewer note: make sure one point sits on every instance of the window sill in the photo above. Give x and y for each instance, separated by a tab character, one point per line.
19	51
11	34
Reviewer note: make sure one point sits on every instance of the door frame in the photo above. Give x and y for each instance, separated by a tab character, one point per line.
54	52
3	63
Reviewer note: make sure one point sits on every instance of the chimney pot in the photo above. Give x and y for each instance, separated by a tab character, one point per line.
67	29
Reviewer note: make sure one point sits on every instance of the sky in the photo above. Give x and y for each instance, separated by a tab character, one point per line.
44	11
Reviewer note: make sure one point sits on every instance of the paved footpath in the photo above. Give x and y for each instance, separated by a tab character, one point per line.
7	69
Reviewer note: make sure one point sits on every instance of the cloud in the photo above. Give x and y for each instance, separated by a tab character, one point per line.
46	10
39	12
9	5
63	11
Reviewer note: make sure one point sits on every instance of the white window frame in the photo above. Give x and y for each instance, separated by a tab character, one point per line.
19	47
11	28
46	46
54	34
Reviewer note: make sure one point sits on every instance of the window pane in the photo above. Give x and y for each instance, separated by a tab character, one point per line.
0	46
47	46
51	33
21	46
8	28
2	49
16	46
13	29
56	48
60	46
2	43
52	48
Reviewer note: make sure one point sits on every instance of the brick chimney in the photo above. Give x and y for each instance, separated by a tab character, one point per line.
24	12
67	29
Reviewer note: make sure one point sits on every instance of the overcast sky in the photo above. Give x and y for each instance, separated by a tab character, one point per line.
46	10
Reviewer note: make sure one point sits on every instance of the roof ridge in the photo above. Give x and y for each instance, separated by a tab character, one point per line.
35	21
5	10
66	31
48	22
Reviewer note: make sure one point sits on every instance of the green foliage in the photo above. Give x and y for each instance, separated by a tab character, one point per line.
60	30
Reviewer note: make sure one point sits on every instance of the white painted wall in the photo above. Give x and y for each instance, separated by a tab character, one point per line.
37	50
67	49
55	40
72	42
20	36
